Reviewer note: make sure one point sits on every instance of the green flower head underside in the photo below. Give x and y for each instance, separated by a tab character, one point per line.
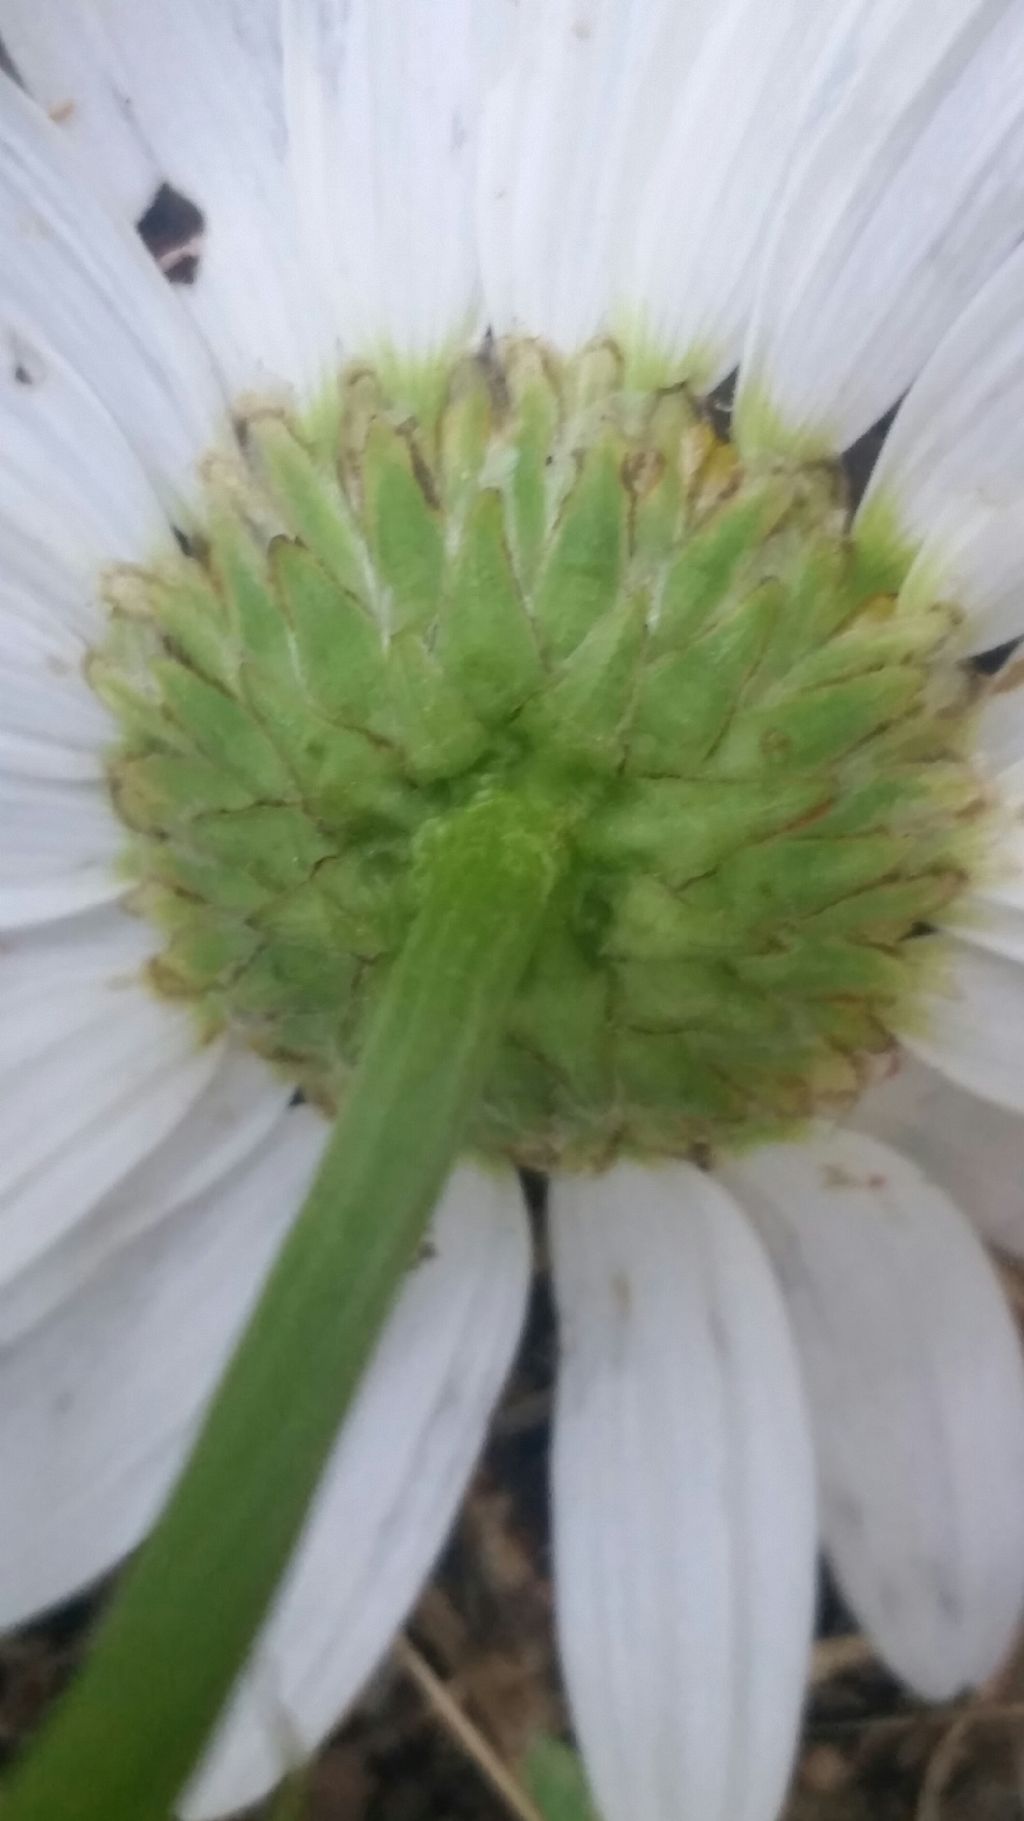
542	581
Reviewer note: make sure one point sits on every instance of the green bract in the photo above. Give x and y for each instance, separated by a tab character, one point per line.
547	584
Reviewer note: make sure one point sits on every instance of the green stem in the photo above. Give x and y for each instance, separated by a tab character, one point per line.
126	1738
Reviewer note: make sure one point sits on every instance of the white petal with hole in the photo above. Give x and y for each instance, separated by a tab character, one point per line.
183	95
79	290
904	200
737	109
95	1071
389	1493
973	1151
916	1383
99	1403
61	850
951	473
241	1105
684	1505
569	135
384	116
971	1026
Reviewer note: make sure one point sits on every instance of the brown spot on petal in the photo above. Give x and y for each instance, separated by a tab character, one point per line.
24	363
834	1176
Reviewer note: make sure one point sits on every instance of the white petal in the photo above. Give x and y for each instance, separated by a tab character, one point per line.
383	112
1000	733
37	622
916	1383
974	1151
51	724
190	95
83	292
684	1507
568	138
1002	885
61	849
990	921
905	199
972	1026
75	498
243	1102
101	943
951	473
74	501
716	169
990	914
98	1405
54	54
95	1071
44	754
389	1493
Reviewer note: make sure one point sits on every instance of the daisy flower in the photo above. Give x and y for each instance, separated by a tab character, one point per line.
365	450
